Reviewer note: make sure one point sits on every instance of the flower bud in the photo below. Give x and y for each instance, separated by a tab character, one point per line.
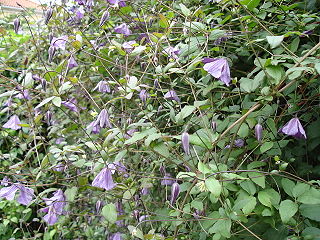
175	190
104	18
185	142
51	53
16	24
258	132
214	125
143	95
48	15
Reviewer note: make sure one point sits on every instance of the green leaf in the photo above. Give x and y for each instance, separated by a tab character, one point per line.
56	101
311	196
311	233
258	178
288	186
311	211
264	198
317	67
243	130
249	187
275	41
248	85
109	212
185	112
162	149
276	72
197	204
213	186
184	10
216	33
45	102
300	189
136	232
222	226
71	193
163	21
250	4
266	146
287	210
250	205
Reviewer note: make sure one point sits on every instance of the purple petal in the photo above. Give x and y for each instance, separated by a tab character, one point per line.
13	123
8	192
104	180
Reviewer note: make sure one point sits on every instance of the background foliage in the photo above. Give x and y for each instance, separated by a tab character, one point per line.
255	190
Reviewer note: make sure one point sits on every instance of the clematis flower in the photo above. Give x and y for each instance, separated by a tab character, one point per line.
51	52
123	29
120	3
175	190
172	52
71	104
16	24
103	119
119	223
116	236
104	180
143	95
8	103
185	142
59	42
172	95
145	191
128	46
72	63
167	180
218	68
24	94
42	81
294	128
104	18
103	87
5	181
214	125
25	197
51	217
99	205
57	202
239	143
48	15
13	123
95	128
258	132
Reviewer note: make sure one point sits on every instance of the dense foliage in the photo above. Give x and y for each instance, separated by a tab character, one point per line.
161	120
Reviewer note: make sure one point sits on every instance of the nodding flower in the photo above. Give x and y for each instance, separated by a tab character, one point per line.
175	190
218	68
258	132
13	123
104	18
185	142
172	95
294	128
104	180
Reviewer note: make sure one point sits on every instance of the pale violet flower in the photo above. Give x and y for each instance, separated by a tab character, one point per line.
175	190
258	132
129	46
104	18
218	68
13	123
294	128
123	29
72	63
172	95
185	142
172	52
25	197
103	87
104	180
59	42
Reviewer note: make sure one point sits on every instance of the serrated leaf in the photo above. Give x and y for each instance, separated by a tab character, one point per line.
287	210
213	186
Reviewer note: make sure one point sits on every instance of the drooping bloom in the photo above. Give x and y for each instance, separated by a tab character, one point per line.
116	236
5	181
16	24
218	68
48	15
214	125
95	128
123	29
55	207
13	123
167	180
99	205
25	197
104	18
172	95
120	3
119	223
24	94
128	46
185	142
71	104
239	143
143	95
42	81
51	217
59	42
172	52
145	191
175	190
103	87
294	128
258	132
72	63
103	119
104	180
51	52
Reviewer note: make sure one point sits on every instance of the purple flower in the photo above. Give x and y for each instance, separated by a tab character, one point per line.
175	190
24	94
93	127
116	236
57	201
25	197
172	95
143	95
59	140
306	33
42	81
172	52
103	119
16	24
119	223
145	191
128	46
99	205
72	63
103	87
120	3
59	167
104	18
13	123
51	217
104	180
258	132
123	29
294	128
48	15
130	133
71	104
167	180
185	142
8	103
239	143
218	68
5	181
59	42
48	117
214	125
51	52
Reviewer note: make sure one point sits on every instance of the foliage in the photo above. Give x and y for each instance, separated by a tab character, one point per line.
231	184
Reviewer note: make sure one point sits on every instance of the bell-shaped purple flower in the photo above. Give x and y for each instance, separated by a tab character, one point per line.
95	128
294	128
172	95
13	123
24	94
72	63
48	15
25	197
104	18
143	95
59	42
185	142
123	29
167	180
120	3
116	236
51	217
258	132
99	205
51	52
16	24
145	191
239	143
104	180
175	190
128	46
71	104
5	181
218	68
173	52
103	87
103	119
